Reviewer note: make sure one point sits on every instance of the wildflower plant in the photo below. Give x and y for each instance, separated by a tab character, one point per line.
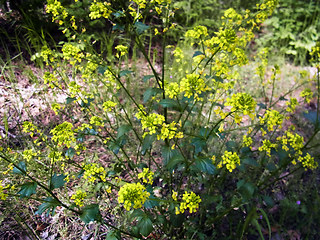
181	149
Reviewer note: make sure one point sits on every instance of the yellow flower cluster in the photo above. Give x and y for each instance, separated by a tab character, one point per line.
292	105
108	105
172	89
122	50
3	196
247	141
51	80
72	52
29	154
93	169
241	103
198	34
132	194
308	162
100	9
307	94
189	200
29	127
146	175
230	160
78	197
315	52
154	122
56	9
178	54
169	131
55	156
97	121
266	146
150	122
193	85
272	118
63	134
56	107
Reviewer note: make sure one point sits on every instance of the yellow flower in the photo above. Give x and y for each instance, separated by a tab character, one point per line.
146	175
189	200
230	160
132	194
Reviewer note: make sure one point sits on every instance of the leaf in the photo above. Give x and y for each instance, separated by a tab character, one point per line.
141	27
70	100
125	72
90	213
21	169
199	144
70	152
147	143
246	189
311	116
231	145
150	92
145	226
174	161
204	165
147	77
168	153
87	102
118	27
271	167
27	189
102	69
197	53
57	181
113	235
169	103
49	204
250	162
123	129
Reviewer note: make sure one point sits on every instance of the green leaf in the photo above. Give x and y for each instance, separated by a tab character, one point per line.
102	69
21	169
174	161
199	144
87	102
57	181
145	226
204	165
147	77
118	27
150	92
169	103
197	53
113	235
90	213
147	143
70	100
311	116
141	27
271	167
27	189
250	162
246	189
70	152
231	145
49	205
125	72
123	129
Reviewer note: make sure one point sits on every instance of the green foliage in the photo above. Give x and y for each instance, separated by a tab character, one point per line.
293	29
